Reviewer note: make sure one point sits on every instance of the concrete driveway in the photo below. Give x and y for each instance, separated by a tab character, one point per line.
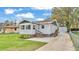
60	43
44	39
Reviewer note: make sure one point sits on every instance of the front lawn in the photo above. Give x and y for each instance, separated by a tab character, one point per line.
12	42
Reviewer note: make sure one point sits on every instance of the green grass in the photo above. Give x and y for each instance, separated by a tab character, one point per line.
12	42
76	33
75	40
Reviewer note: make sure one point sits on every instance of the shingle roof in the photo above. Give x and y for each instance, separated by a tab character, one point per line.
47	21
24	21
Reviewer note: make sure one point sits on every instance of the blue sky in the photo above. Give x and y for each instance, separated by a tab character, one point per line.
17	13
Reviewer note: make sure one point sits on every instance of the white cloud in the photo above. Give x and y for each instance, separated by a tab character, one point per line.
18	20
47	14
9	11
20	9
25	15
39	19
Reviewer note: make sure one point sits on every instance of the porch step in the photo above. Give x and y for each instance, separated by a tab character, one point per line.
40	34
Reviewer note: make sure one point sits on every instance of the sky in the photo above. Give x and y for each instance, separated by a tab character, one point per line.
17	13
37	9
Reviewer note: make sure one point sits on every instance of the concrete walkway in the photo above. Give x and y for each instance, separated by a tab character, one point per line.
44	39
60	43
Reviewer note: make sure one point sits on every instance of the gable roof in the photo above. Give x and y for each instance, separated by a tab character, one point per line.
54	22
24	21
10	26
47	21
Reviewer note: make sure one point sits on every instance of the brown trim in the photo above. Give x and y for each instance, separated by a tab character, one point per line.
10	26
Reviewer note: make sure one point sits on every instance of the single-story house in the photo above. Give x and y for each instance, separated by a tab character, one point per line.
10	29
46	27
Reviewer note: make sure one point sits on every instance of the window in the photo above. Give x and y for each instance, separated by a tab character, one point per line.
22	27
28	26
42	26
33	26
15	29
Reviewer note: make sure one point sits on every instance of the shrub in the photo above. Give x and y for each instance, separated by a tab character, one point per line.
25	36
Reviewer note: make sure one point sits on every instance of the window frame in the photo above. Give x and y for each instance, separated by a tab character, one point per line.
42	26
34	27
22	27
28	27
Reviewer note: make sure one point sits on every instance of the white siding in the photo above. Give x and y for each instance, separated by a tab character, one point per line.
53	28
26	31
48	29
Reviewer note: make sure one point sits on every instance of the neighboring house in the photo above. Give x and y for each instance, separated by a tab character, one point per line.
46	27
10	28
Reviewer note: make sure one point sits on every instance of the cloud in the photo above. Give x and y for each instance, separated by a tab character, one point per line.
18	20
20	9
25	15
9	11
47	14
39	19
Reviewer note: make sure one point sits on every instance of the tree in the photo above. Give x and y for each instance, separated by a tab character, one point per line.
66	15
